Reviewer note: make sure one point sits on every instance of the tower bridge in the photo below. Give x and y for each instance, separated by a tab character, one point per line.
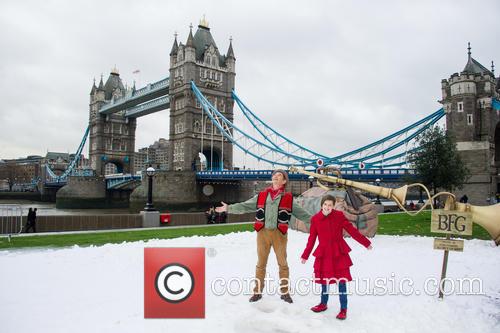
199	94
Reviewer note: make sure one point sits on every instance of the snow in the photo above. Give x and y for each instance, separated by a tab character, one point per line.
100	289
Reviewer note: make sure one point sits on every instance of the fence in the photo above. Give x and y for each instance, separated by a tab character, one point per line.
58	223
11	222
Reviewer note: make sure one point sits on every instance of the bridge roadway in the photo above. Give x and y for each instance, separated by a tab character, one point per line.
153	92
385	175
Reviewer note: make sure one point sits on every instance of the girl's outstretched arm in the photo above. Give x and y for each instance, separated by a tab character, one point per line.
355	233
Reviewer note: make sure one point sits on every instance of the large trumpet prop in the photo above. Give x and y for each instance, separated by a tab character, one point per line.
487	217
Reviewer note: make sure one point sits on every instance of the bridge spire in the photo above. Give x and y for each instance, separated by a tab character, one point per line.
175	47
190	42
94	88
114	70
230	52
468	48
101	84
493	68
204	22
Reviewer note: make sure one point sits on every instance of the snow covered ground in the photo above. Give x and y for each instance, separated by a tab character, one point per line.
100	289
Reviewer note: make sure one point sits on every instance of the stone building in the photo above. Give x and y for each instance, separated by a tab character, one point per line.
470	117
111	137
199	60
156	155
21	170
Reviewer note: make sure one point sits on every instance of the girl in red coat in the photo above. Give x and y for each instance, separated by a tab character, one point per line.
332	254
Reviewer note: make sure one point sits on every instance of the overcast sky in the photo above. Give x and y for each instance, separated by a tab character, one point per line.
331	75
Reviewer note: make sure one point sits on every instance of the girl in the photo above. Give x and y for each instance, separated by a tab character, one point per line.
332	254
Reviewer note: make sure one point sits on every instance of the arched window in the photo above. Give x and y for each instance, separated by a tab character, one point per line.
208	125
197	126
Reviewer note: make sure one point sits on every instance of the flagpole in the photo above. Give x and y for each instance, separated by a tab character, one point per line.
137	78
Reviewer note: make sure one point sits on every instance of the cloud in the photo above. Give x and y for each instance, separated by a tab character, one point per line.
331	75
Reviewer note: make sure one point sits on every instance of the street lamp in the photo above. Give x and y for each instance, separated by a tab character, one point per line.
421	199
150	172
311	179
377	182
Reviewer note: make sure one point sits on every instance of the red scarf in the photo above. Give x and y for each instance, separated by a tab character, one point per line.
274	193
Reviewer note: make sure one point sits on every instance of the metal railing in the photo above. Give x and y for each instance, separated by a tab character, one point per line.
11	220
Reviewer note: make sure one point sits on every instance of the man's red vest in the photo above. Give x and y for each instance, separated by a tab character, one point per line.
284	211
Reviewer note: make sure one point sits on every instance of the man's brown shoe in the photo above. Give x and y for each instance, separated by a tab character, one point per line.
287	298
255	298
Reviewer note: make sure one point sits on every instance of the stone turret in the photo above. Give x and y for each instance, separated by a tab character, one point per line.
199	61
467	100
112	137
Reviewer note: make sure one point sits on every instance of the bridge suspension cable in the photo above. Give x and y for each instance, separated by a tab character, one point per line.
237	136
275	148
52	177
376	154
276	139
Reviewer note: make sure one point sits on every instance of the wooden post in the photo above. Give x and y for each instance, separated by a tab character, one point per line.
443	271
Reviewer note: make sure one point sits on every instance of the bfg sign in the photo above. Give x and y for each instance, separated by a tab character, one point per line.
451	222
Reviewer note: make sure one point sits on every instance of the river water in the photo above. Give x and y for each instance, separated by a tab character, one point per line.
49	208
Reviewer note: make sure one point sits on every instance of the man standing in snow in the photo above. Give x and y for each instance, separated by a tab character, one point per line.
273	209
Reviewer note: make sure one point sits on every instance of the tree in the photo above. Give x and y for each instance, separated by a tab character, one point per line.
437	162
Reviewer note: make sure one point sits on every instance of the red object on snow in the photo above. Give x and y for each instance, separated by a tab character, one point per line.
319	308
165	218
342	314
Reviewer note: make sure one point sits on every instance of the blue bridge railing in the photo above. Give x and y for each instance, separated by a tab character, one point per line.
366	175
114	181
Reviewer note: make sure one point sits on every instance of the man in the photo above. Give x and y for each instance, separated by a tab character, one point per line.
31	220
273	209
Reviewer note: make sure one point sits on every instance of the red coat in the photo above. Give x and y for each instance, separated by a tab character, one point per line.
332	254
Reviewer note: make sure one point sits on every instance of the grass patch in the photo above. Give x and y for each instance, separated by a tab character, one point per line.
389	224
420	225
100	238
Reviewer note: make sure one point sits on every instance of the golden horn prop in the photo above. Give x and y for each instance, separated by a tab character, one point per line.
398	194
487	217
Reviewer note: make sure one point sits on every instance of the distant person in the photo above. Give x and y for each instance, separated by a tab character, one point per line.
31	220
464	198
221	217
412	205
210	215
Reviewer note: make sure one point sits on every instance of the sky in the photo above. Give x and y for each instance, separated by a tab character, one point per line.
330	75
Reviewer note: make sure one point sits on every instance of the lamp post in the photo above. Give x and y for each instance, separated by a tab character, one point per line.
377	182
311	179
150	172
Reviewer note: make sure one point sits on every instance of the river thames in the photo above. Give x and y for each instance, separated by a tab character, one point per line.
49	208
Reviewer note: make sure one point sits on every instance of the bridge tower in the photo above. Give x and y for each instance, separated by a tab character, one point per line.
112	137
467	100
199	60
